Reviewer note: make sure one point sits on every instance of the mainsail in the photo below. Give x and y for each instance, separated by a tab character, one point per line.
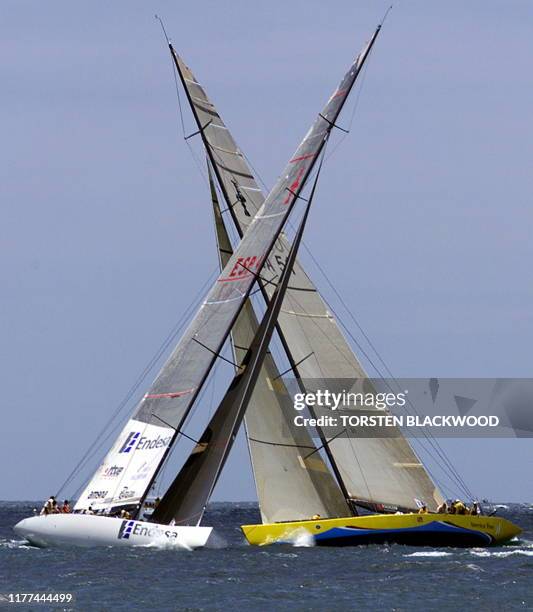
383	469
186	498
291	478
148	435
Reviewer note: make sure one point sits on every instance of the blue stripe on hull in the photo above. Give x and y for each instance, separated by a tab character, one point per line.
436	533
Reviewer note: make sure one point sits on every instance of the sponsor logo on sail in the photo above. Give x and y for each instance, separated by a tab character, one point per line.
112	471
127	528
126	493
132	438
97	495
135	442
143	472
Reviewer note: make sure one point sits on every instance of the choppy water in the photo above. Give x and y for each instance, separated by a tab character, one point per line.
230	575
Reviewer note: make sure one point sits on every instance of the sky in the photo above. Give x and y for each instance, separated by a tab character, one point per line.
422	221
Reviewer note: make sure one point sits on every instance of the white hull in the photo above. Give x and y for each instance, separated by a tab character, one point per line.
90	530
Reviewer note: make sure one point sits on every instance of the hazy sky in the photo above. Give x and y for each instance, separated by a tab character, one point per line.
423	220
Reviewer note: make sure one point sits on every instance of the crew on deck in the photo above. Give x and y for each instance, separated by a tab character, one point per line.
459	507
48	507
454	507
65	508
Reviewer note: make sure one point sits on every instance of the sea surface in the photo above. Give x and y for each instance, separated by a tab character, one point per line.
231	575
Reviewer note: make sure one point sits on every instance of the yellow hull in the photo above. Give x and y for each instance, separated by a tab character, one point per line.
415	529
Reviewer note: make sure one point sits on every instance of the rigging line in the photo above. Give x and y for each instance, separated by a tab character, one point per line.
324	444
355	107
180	107
99	441
429	436
174	331
379	373
431	440
293	367
160	476
267	443
175	78
255	171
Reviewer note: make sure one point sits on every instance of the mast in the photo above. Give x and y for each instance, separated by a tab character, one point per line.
186	499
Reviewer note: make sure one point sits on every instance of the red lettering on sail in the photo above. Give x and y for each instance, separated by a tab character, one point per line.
244	266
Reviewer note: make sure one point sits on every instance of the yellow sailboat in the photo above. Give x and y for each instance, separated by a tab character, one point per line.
414	529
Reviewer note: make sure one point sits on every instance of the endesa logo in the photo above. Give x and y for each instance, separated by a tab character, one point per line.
125	530
137	442
132	527
132	438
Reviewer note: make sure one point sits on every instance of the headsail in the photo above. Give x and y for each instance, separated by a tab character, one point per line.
291	477
175	389
380	470
186	498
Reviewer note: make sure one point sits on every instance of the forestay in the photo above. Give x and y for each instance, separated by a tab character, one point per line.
175	389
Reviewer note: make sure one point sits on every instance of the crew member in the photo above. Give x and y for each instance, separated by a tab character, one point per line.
48	507
443	508
423	510
475	510
65	508
460	508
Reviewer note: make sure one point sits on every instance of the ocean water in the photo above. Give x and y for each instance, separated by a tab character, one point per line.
230	575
